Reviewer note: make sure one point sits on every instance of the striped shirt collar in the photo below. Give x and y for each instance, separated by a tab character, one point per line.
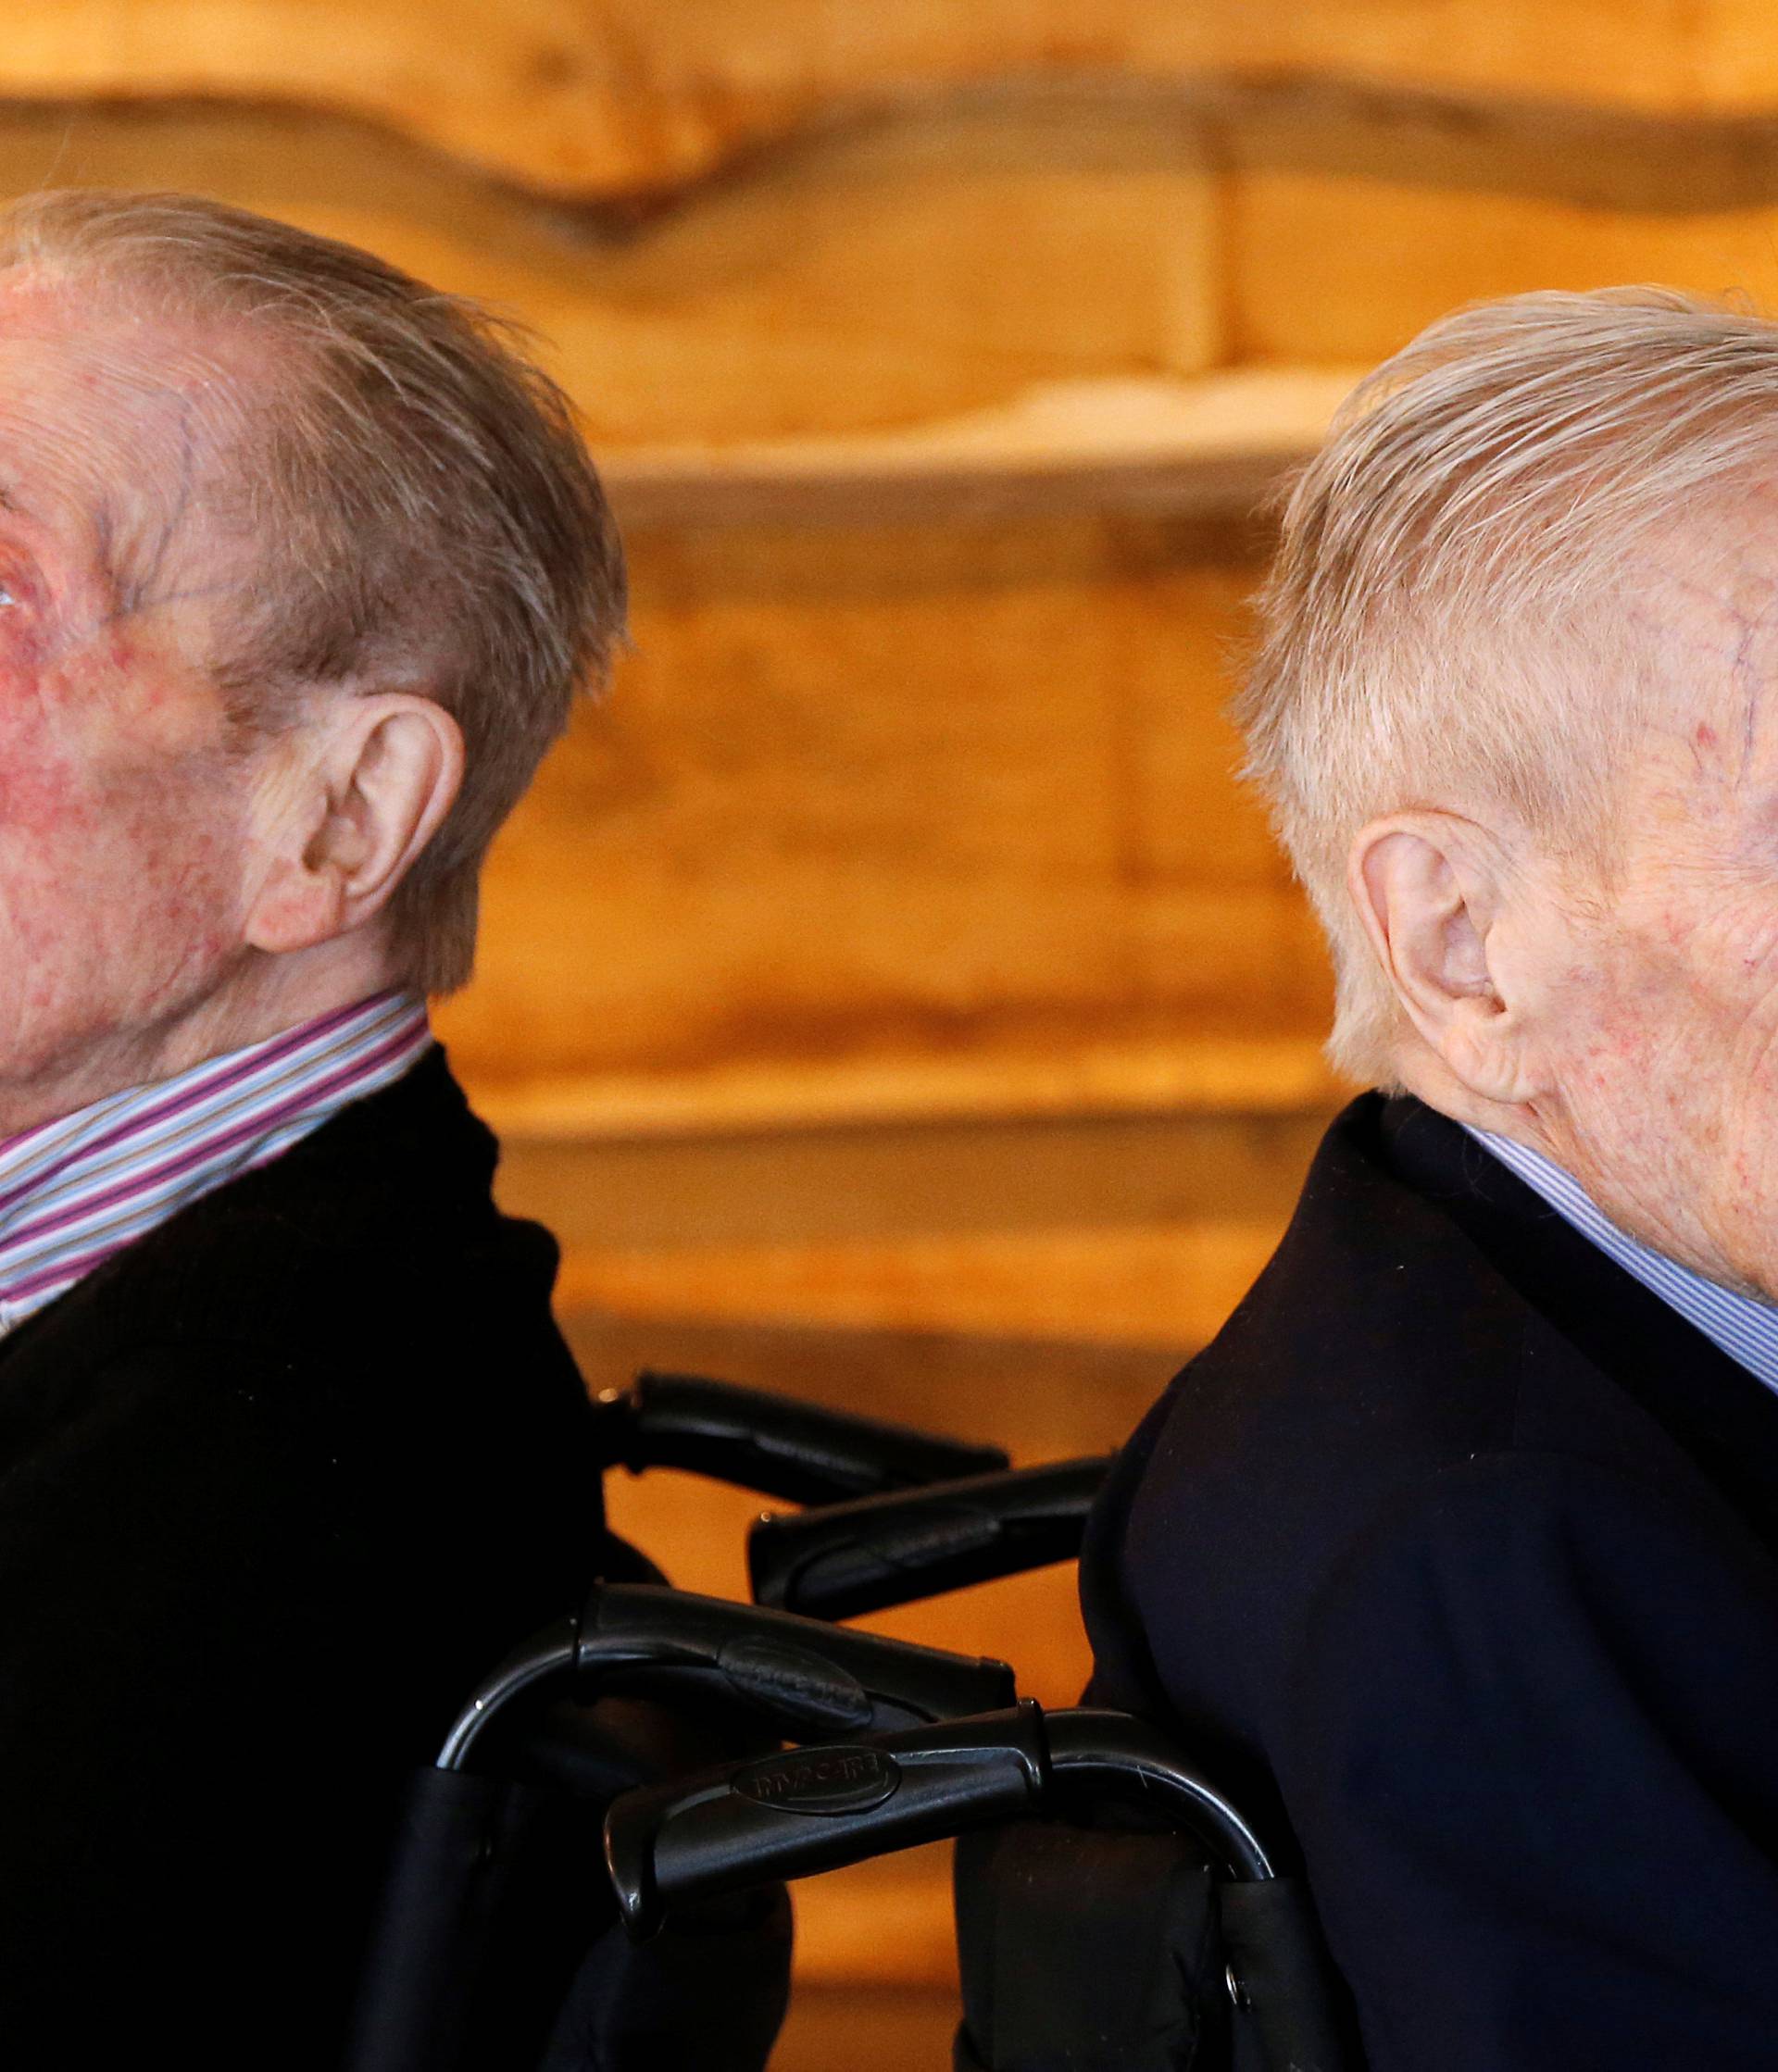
1746	1329
77	1189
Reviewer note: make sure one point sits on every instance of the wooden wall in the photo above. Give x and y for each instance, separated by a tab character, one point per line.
889	993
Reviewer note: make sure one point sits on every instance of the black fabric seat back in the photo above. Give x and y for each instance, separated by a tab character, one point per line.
1087	1950
1094	1949
500	1949
708	1994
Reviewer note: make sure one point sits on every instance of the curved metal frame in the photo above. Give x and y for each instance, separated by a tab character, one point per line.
1114	1751
548	1653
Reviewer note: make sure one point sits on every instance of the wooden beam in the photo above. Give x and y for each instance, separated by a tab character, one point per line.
1135	1231
1232	1075
633	99
1209	448
870	1185
1169	1285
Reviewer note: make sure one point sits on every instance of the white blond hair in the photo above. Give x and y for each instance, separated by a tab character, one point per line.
1445	621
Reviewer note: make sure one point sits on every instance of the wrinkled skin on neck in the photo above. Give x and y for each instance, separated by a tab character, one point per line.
1652	983
127	852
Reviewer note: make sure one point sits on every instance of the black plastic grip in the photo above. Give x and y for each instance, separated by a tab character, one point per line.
802	1675
819	1807
800	1452
813	1809
859	1557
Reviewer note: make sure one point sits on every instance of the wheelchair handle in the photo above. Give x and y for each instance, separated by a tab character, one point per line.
803	1672
820	1807
803	1675
800	1452
847	1558
1095	1751
813	1809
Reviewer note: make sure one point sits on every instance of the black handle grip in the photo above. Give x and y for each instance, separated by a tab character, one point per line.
796	1451
847	1559
803	1674
813	1809
820	1807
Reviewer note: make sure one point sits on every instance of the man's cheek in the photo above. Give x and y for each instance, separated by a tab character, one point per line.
191	841
27	733
137	866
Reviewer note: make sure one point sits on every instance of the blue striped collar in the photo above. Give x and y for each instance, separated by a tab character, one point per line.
1746	1329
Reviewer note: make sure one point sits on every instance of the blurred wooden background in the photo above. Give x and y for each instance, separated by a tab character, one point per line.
889	993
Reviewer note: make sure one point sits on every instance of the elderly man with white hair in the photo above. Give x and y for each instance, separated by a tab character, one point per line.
1460	1543
301	565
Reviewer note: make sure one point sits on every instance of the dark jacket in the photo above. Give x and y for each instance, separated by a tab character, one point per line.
276	1484
1458	1551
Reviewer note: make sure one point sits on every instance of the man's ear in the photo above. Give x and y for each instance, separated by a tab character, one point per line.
1434	893
378	772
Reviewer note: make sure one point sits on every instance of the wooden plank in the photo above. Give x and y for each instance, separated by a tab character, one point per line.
1210	448
636	97
1169	1285
841	1193
1344	256
864	326
875	797
1235	1075
1130	1231
872	280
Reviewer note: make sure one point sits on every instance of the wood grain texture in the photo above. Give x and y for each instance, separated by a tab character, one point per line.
1339	253
1230	1074
1166	1286
984	309
634	97
862	282
1108	1231
1212	448
879	793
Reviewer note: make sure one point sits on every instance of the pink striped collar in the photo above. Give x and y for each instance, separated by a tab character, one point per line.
76	1189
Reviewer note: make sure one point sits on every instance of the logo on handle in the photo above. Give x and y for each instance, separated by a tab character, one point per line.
820	1780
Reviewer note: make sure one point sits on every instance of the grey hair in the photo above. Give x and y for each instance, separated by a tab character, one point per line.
423	508
1443	623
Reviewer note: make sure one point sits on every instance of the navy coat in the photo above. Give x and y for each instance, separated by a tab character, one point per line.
1457	1552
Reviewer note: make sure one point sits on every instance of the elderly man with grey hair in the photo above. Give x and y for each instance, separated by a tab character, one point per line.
1460	1543
301	565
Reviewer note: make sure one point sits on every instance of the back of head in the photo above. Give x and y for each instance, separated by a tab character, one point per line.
1448	620
418	508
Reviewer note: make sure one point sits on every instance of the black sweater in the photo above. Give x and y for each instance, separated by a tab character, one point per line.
276	1484
1458	1550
